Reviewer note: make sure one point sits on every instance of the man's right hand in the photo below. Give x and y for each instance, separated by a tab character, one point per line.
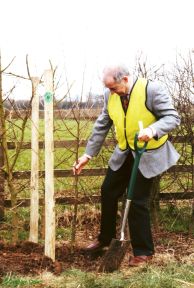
77	167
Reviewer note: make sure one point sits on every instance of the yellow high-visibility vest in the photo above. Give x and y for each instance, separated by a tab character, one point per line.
127	125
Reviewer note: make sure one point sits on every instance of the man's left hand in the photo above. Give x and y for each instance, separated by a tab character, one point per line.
145	134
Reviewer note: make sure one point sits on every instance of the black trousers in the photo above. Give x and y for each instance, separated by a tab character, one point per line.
113	187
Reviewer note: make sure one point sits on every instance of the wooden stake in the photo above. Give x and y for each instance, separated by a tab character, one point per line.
34	201
49	168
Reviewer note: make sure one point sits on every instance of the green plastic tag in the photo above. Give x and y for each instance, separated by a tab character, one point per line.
48	96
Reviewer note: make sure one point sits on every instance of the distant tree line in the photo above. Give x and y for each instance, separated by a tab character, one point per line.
22	104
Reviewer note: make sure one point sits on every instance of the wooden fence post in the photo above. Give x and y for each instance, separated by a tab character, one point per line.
49	167
34	200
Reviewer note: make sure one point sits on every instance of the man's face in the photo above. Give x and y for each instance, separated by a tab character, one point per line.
120	88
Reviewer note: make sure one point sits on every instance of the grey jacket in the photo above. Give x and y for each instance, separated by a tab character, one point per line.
153	162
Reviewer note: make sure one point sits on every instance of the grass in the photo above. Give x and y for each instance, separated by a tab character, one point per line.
176	183
64	158
17	281
171	218
63	129
175	218
172	275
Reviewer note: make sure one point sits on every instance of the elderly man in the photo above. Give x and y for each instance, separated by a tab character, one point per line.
127	101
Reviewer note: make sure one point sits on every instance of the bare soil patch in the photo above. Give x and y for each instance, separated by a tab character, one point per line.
27	258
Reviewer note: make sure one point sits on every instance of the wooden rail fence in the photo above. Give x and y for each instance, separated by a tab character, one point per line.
60	173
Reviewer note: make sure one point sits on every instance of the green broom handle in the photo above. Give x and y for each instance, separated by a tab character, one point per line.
138	152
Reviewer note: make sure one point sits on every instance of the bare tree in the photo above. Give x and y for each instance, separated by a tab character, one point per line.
10	161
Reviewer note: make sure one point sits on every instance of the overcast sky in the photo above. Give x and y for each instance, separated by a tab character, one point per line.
75	33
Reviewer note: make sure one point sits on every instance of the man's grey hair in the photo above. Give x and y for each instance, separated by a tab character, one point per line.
116	71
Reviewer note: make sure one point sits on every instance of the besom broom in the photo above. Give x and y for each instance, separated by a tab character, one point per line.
113	257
